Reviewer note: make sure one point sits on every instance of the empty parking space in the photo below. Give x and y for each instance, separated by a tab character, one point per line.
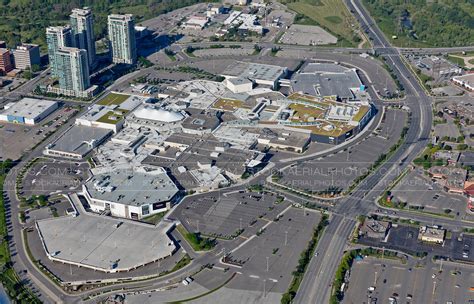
336	172
223	215
273	255
421	193
48	177
412	282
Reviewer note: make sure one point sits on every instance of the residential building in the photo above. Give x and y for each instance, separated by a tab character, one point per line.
122	38
6	64
73	70
82	24
26	55
56	38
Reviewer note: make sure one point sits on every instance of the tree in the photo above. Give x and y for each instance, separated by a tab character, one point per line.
35	68
27	74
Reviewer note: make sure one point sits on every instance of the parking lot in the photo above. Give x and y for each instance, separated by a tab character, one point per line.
307	35
420	192
224	52
448	129
274	254
336	172
457	246
49	176
413	282
17	138
223	215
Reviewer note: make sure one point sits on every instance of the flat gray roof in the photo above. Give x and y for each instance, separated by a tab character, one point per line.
254	71
29	107
201	119
96	242
326	80
79	139
284	137
313	67
239	80
137	187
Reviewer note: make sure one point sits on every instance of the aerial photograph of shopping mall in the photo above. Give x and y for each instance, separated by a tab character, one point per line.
237	151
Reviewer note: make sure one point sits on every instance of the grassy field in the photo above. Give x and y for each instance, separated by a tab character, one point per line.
113	99
332	15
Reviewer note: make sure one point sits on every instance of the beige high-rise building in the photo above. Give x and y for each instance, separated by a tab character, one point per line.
26	55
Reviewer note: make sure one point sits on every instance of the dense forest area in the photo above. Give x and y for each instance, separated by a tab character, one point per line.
26	20
433	23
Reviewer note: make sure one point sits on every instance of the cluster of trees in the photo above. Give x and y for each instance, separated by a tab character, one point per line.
436	23
25	21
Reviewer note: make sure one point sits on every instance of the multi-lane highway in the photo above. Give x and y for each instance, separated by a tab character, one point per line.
315	287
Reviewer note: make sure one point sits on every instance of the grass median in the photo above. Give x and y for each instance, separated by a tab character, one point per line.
195	240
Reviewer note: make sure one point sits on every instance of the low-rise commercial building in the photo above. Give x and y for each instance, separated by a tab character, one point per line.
431	234
133	193
28	111
327	80
451	178
200	122
239	85
263	74
77	142
196	22
283	139
465	81
375	229
109	113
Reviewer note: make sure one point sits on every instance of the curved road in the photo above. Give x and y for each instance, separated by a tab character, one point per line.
315	287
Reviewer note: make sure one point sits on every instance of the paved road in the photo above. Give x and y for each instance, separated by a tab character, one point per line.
317	291
315	286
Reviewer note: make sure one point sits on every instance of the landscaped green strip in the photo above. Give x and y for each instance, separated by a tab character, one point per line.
195	240
14	287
